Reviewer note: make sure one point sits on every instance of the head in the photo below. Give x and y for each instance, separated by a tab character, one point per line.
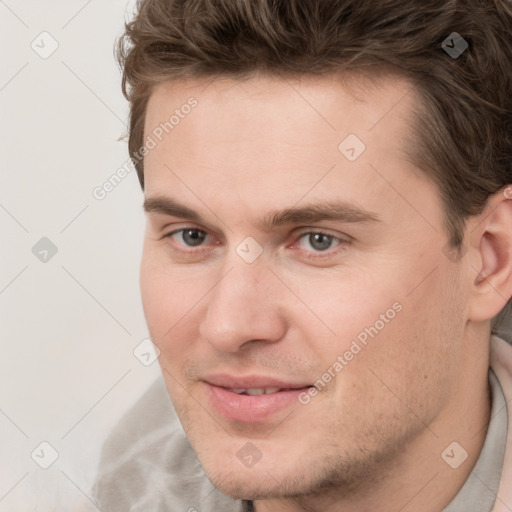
326	190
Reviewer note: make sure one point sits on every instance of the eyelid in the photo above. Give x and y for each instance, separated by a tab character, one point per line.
183	226
186	228
342	237
187	248
163	222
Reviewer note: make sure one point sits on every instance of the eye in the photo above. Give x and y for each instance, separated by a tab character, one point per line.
317	242
190	237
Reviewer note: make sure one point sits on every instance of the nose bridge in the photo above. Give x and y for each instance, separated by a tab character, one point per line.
242	288
245	278
242	306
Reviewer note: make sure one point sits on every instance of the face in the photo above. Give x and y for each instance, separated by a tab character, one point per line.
284	257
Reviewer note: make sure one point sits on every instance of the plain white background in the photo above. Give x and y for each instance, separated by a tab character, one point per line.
68	324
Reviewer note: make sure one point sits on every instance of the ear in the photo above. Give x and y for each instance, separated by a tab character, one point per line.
491	238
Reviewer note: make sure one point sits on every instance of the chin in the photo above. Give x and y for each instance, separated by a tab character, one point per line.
267	479
262	480
246	488
277	475
259	484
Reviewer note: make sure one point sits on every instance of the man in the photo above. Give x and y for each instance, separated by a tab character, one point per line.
328	251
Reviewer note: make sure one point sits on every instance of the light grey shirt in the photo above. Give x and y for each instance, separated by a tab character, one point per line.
148	464
481	488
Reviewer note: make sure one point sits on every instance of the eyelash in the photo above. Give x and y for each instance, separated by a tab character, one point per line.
338	242
331	251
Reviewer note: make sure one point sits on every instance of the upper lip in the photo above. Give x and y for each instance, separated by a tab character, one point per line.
251	382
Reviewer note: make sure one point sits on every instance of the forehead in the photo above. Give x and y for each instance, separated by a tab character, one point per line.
335	103
263	139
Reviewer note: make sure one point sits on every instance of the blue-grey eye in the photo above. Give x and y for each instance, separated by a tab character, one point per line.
191	237
320	242
317	242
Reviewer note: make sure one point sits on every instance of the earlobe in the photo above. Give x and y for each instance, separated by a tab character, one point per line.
492	238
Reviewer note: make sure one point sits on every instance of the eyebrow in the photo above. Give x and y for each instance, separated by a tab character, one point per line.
169	206
341	211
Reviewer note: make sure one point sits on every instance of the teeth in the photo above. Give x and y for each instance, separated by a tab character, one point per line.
256	391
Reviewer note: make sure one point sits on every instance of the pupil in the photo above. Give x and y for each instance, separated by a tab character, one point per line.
320	242
193	237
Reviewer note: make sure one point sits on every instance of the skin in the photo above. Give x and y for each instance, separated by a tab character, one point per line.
373	436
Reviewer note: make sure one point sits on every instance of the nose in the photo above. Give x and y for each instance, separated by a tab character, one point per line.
244	307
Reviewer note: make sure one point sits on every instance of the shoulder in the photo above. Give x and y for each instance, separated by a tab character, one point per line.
501	363
147	463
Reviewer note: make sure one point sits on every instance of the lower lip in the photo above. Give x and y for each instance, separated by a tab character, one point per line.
251	408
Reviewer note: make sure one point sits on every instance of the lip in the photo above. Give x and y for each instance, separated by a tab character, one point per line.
251	408
223	380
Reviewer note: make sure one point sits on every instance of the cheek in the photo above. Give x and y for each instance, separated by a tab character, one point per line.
344	306
154	293
381	320
414	359
167	307
168	297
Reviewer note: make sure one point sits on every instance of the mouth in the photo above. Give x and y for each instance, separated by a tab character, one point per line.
258	391
251	399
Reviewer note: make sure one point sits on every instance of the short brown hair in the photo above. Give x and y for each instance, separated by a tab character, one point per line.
463	130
